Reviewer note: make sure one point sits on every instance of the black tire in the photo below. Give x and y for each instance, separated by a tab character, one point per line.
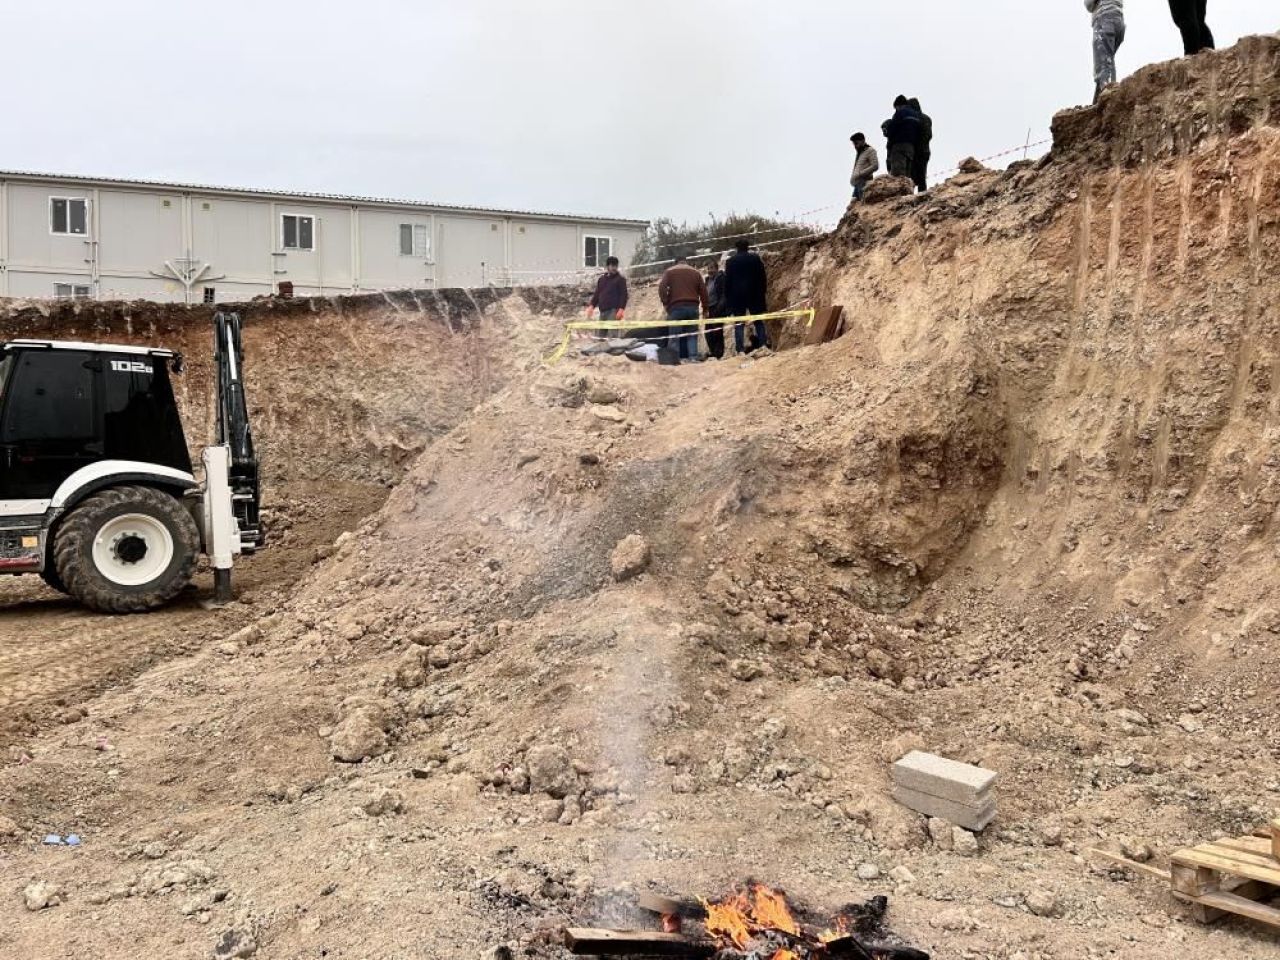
50	576
76	566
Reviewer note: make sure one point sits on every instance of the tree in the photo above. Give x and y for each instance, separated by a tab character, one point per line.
665	239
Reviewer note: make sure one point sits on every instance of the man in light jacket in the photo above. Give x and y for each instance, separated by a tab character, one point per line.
1108	34
865	165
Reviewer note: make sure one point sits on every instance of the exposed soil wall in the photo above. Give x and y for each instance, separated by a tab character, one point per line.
347	388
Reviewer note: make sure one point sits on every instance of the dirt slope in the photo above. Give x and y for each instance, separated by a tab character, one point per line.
1022	514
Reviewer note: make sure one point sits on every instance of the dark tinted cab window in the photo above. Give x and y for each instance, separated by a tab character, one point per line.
140	415
50	397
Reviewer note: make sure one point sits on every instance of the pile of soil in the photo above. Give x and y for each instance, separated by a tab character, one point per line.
629	626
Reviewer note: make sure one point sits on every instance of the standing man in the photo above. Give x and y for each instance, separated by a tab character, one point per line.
865	164
901	132
746	287
924	137
1108	34
1189	16
610	297
684	293
717	309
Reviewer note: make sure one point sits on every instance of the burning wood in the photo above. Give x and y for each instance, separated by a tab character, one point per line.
753	923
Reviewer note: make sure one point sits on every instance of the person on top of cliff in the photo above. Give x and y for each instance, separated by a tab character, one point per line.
610	297
1189	16
901	131
865	164
920	163
746	285
1108	34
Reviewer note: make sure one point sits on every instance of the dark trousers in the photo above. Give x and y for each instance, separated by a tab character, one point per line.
740	334
1189	16
608	316
920	169
714	335
901	158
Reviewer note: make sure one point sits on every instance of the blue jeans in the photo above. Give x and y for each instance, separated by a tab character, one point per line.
740	336
687	344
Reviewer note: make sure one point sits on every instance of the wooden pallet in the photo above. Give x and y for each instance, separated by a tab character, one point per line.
1231	876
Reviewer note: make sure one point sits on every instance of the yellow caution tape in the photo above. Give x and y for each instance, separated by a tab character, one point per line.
558	354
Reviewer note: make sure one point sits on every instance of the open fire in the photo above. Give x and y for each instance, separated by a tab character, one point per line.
754	922
757	923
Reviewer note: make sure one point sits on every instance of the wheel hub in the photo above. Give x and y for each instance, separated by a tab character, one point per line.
133	549
130	548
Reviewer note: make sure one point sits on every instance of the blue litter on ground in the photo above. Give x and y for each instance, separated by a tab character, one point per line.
73	839
53	840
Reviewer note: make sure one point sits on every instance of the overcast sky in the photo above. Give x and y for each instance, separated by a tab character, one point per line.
658	108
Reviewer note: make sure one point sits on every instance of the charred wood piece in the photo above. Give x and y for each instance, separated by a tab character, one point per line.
635	943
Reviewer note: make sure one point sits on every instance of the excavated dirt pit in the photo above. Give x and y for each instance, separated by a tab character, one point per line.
344	393
621	627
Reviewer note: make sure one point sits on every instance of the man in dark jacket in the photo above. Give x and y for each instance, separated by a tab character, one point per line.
746	288
610	297
902	130
923	151
1189	16
717	309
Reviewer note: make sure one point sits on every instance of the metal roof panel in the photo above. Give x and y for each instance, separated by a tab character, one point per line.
302	195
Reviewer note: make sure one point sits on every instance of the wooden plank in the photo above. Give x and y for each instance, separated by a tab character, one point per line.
825	323
1131	864
1231	903
1227	851
671	906
1275	838
634	943
1205	859
1256	845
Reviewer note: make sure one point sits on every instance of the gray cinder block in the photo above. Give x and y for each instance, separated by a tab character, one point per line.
940	777
971	817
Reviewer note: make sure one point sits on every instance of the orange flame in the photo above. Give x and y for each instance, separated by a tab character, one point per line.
760	909
841	930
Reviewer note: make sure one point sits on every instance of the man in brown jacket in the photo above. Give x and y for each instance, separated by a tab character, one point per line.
683	291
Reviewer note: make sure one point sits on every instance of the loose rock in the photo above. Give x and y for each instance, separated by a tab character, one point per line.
630	558
357	738
963	842
1043	903
235	943
41	894
551	771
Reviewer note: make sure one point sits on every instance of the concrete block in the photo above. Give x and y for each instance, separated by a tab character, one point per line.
973	818
940	777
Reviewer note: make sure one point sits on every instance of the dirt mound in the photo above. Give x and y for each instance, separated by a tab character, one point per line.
628	625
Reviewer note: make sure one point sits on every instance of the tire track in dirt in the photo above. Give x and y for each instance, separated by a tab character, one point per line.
55	654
